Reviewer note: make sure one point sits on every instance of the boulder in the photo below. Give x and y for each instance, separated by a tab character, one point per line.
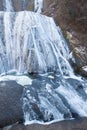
10	103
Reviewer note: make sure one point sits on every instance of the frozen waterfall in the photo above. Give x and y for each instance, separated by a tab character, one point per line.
8	5
32	43
38	6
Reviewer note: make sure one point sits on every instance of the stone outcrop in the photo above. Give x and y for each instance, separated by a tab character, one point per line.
71	16
10	103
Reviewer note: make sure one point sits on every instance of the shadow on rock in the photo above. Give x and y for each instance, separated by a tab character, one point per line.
10	103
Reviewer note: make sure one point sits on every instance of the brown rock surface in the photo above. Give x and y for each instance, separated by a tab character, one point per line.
79	124
18	5
71	16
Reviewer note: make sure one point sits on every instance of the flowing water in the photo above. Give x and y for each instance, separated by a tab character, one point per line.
31	43
8	5
38	6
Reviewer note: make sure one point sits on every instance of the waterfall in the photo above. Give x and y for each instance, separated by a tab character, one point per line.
30	46
23	4
8	5
31	43
38	6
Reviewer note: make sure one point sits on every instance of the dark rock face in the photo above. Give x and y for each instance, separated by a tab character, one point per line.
77	68
19	5
80	124
26	5
1	5
10	103
72	18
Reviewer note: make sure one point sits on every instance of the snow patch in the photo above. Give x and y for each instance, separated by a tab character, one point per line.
84	68
22	80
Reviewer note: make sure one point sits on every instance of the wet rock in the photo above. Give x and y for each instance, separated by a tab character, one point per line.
26	5
1	5
37	111
19	5
78	69
75	115
10	103
66	115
